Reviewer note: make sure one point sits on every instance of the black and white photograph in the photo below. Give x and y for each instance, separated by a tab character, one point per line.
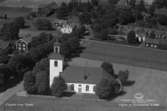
83	55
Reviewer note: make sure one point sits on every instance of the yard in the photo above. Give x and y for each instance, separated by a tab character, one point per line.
151	83
124	54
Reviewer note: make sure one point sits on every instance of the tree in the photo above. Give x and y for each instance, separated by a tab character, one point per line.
113	2
29	83
152	35
42	82
141	6
43	24
9	31
126	16
95	2
70	45
123	76
132	4
42	65
20	22
5	76
160	3
63	11
41	51
131	37
21	64
102	35
162	19
107	88
108	68
58	87
85	18
41	39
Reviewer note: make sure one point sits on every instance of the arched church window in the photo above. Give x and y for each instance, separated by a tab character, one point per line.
55	63
56	50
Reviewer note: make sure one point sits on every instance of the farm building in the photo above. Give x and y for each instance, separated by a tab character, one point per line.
156	43
80	78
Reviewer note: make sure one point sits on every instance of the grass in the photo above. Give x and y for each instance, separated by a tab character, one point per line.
57	104
151	83
138	56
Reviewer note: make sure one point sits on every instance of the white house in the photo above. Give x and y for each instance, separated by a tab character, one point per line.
66	29
78	77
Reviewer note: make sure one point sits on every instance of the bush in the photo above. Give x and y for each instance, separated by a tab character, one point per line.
42	82
29	83
43	24
21	64
107	88
102	35
58	87
123	76
5	74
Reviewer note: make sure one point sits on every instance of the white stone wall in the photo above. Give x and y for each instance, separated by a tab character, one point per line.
55	70
81	88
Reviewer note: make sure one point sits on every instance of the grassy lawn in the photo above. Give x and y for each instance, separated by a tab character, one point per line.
138	56
151	83
57	104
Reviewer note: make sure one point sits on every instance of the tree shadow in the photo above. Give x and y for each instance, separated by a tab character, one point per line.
128	83
113	96
68	94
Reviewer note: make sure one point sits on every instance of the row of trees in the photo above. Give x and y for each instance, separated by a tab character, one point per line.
10	30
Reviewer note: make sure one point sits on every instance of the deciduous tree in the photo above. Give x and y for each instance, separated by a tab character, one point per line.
43	24
58	87
42	82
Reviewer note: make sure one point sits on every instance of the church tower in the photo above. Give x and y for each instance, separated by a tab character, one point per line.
55	63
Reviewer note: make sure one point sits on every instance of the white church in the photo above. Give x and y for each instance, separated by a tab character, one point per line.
80	77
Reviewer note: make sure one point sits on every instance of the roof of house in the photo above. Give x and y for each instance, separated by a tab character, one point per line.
84	71
152	41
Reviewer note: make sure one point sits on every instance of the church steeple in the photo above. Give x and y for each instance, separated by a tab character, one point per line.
55	62
57	47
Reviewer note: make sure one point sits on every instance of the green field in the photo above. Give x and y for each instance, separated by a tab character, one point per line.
138	56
